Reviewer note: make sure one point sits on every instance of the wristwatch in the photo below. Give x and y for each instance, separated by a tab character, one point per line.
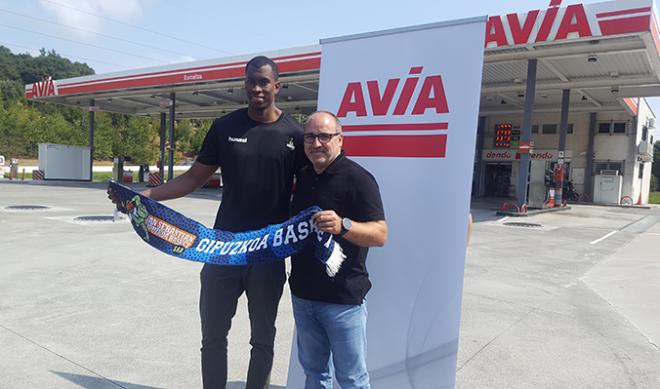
346	225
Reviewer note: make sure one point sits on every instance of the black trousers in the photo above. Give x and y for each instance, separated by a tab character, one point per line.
221	288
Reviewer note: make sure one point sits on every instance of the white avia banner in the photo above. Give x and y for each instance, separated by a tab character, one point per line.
408	100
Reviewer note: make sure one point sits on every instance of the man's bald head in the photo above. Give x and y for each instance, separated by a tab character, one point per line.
323	139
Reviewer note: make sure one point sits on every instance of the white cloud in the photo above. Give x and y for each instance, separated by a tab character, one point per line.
82	13
183	58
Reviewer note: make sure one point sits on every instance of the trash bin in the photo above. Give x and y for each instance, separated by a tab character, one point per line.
13	169
118	169
143	173
127	178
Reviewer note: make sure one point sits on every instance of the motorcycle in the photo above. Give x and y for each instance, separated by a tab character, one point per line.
569	192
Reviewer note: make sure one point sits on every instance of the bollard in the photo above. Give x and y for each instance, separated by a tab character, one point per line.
154	179
551	198
13	169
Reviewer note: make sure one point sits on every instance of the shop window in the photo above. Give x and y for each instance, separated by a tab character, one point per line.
612	128
549	129
608	166
619	128
535	129
569	128
641	170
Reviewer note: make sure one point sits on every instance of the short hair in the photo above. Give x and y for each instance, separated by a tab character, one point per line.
260	61
336	119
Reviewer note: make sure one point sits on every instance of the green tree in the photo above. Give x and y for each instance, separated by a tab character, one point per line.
25	124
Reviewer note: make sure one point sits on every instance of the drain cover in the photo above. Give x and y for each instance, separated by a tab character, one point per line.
95	218
521	224
26	207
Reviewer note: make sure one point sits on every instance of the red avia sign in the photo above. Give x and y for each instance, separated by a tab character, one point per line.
43	88
574	21
395	97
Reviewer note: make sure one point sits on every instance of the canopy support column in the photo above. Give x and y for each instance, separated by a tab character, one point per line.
526	135
161	161
92	108
563	124
170	167
477	189
589	173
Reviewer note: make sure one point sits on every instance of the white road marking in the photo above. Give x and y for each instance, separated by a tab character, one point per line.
603	238
502	219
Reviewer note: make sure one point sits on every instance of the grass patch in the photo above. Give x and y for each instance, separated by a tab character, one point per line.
654	198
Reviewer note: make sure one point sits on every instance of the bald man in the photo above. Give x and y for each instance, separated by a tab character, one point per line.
330	312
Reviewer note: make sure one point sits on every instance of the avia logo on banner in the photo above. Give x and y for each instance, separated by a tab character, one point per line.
574	21
431	96
46	87
373	99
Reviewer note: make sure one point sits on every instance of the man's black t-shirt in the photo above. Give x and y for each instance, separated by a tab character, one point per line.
352	192
258	161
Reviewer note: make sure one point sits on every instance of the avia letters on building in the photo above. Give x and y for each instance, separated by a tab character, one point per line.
46	87
572	22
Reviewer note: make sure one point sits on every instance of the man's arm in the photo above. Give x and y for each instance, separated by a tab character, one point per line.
182	185
363	234
469	232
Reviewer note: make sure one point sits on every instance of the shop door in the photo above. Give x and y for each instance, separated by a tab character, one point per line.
498	180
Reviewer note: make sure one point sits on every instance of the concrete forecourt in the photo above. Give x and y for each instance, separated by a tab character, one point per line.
87	304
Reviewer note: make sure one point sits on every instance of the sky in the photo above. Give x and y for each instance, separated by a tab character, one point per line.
128	34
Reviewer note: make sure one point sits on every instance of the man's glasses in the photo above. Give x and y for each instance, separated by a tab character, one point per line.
323	138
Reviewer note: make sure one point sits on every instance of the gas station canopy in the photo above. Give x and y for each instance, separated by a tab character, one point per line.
606	54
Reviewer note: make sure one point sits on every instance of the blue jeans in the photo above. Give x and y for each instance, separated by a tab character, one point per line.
332	330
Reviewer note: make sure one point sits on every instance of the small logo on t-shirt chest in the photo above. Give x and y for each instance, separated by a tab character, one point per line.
237	140
291	145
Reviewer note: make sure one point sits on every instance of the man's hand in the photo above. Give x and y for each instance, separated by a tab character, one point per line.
112	195
363	234
327	221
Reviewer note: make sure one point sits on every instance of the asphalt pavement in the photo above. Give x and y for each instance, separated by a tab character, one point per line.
568	301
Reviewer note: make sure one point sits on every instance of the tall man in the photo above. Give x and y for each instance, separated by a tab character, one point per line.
330	313
258	149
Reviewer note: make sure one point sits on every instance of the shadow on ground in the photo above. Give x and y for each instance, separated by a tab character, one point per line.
201	193
93	382
241	385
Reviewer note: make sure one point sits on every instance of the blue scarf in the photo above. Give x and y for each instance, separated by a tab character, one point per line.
179	236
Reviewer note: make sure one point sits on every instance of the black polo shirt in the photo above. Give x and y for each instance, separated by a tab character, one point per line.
351	191
258	161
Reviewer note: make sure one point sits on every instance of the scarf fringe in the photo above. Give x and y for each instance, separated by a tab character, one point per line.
333	264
